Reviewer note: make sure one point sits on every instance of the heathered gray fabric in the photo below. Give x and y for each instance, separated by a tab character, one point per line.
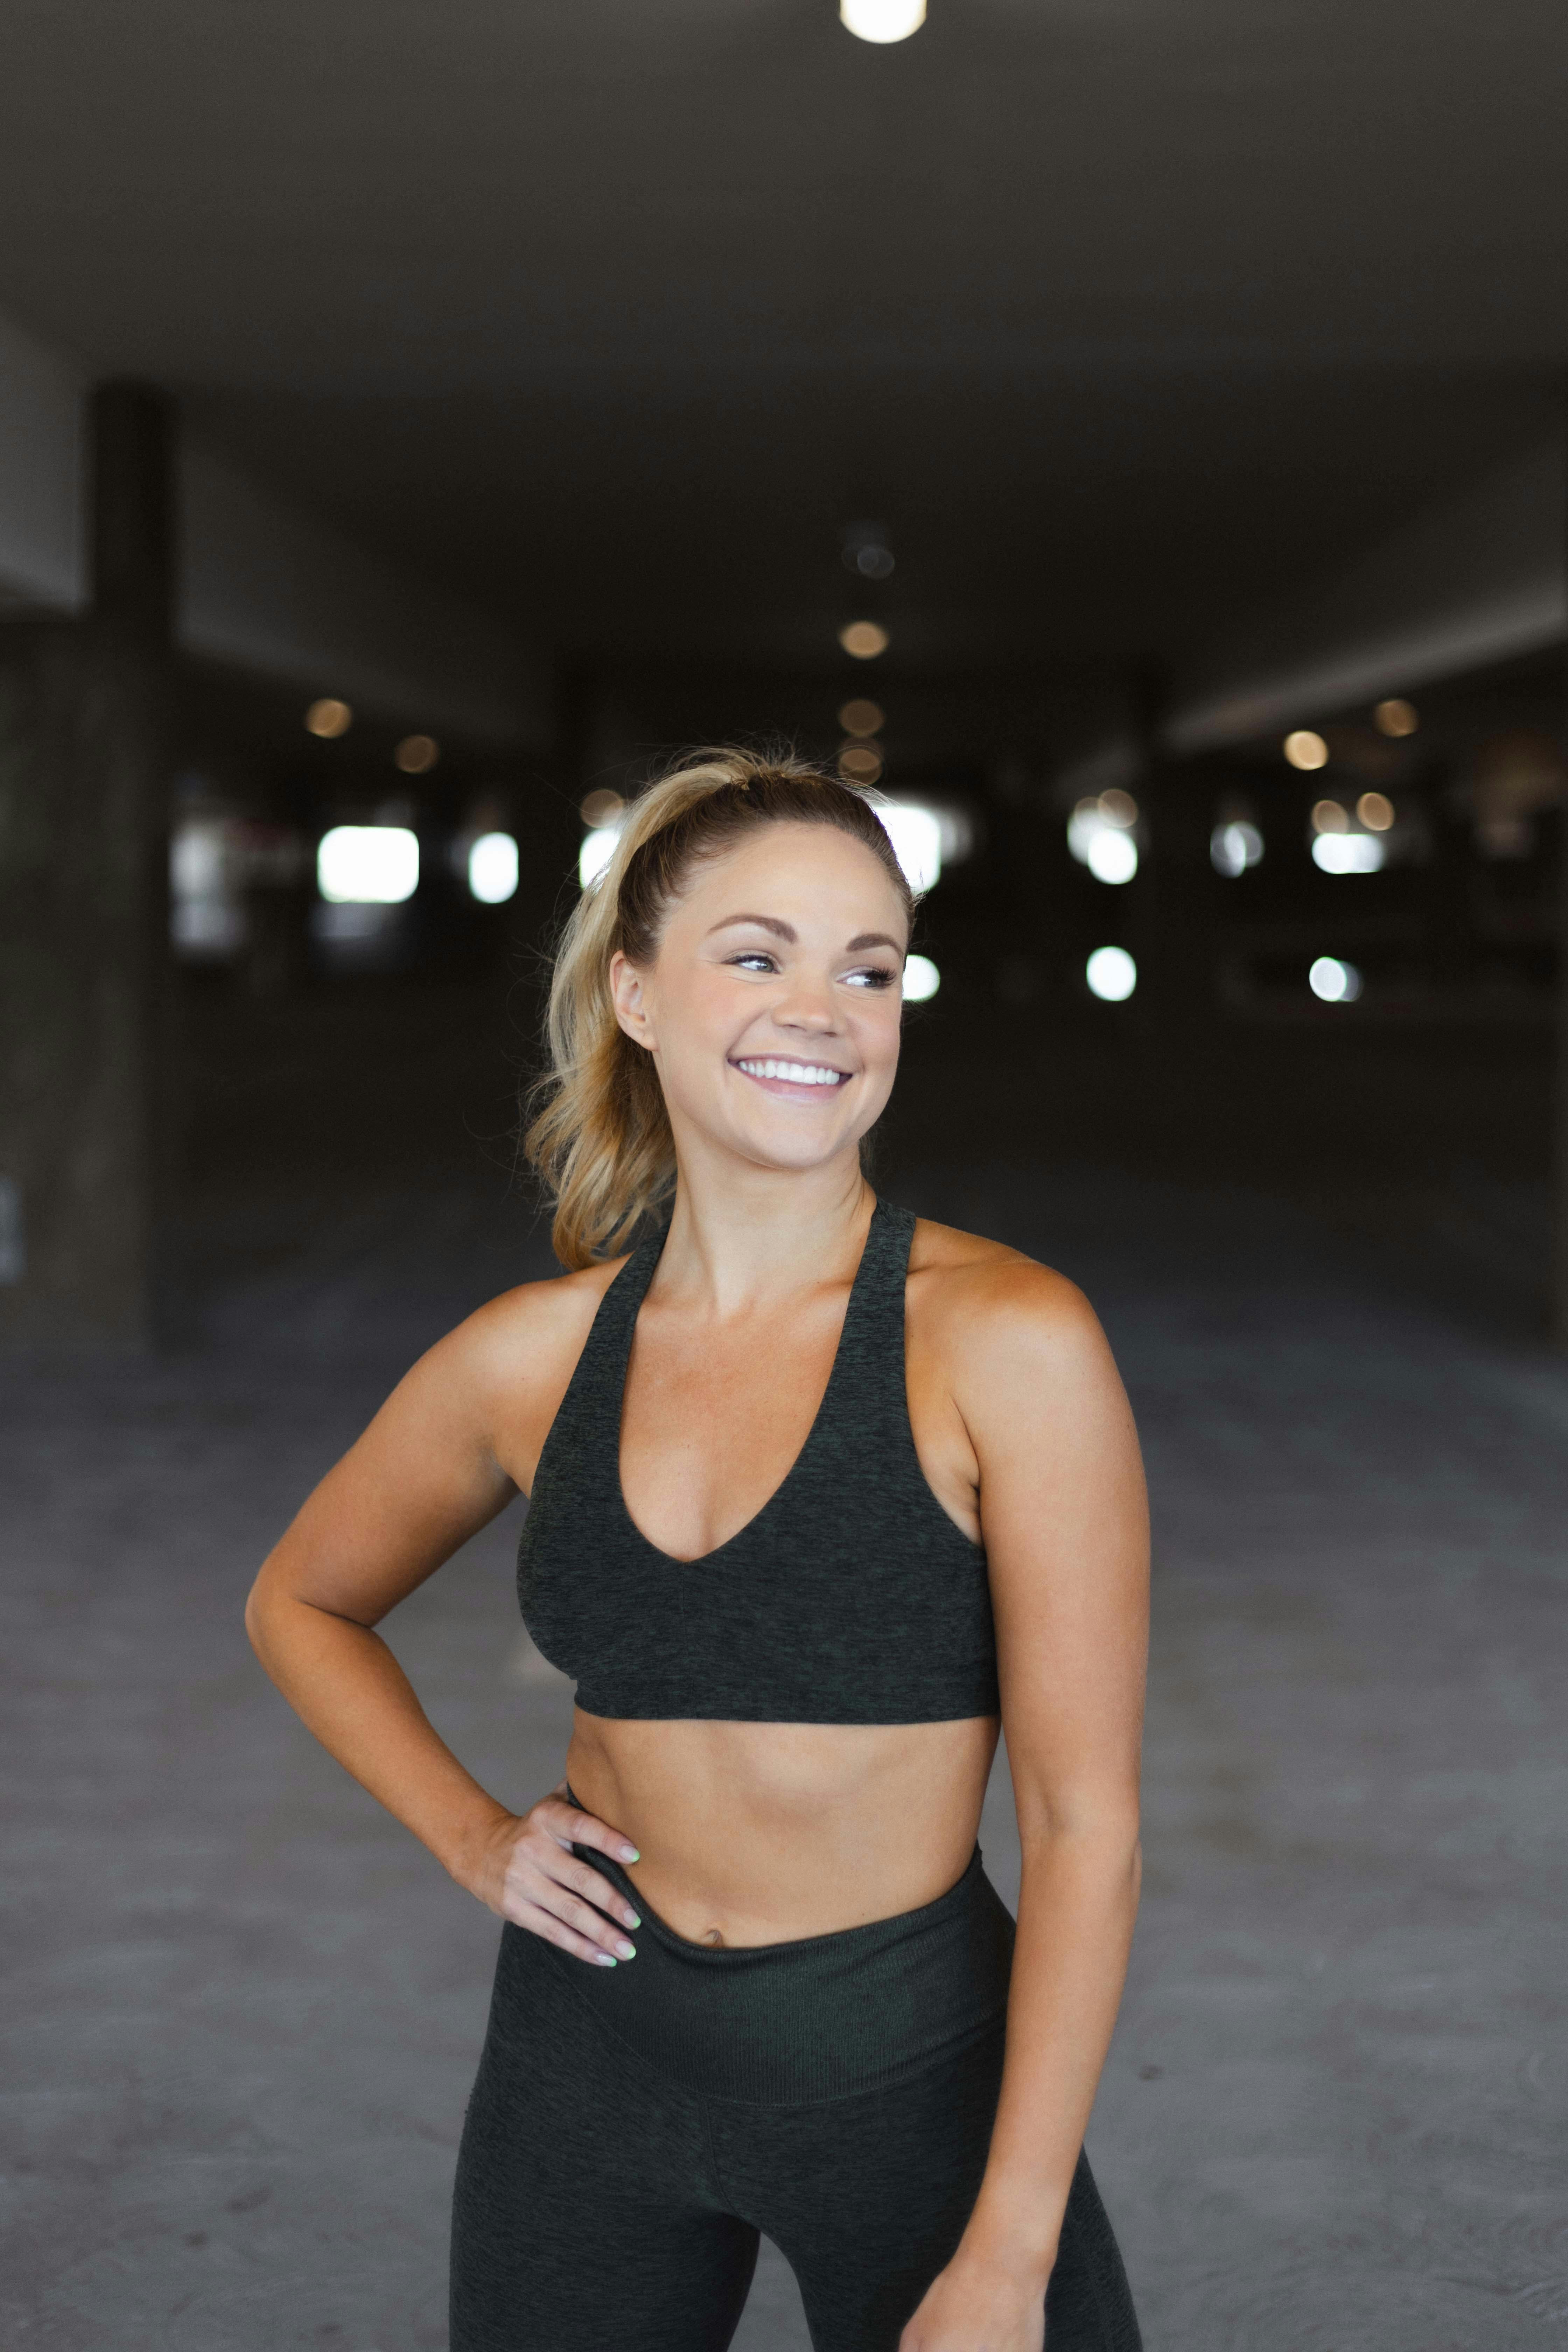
850	1598
605	2197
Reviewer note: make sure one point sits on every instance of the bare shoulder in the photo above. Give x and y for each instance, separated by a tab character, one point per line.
984	1306
534	1335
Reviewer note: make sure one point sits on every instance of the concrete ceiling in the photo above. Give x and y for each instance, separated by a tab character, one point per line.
1117	313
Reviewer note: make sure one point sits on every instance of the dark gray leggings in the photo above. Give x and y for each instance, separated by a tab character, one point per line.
633	2129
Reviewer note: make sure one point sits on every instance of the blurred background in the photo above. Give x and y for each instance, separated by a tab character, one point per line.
1134	440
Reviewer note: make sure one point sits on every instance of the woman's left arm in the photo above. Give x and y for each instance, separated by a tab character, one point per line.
1064	1520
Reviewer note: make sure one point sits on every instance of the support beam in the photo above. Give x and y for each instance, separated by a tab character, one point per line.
84	795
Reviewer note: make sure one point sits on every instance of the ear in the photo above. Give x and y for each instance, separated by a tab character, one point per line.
629	994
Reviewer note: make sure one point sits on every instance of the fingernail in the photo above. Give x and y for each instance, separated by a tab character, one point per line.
627	1951
634	1921
630	1854
606	1959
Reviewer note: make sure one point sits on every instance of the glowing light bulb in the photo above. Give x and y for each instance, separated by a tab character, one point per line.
882	20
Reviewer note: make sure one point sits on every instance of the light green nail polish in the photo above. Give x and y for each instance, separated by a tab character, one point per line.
635	1920
630	1854
629	1951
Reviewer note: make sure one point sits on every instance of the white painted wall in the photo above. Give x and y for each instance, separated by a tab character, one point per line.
263	585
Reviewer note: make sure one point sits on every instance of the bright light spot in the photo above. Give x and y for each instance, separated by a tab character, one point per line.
1305	750
1112	856
1348	853
916	833
329	718
1396	718
367	866
859	763
861	717
1333	983
1234	848
1375	810
1099	836
922	979
1327	817
1112	975
492	868
882	20
864	639
416	754
598	848
198	857
602	807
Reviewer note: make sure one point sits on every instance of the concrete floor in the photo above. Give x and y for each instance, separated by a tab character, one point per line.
242	2008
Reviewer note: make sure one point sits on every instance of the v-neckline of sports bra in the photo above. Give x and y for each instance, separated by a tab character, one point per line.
874	1233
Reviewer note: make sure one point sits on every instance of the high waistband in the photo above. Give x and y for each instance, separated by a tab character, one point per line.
813	2019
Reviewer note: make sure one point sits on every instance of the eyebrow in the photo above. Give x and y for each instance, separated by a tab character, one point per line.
787	931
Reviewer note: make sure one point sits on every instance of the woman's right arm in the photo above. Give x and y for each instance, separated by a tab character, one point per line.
425	1476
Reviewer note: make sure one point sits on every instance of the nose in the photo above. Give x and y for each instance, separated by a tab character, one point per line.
809	1007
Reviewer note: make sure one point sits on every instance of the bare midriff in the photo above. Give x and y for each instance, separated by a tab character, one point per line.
764	1832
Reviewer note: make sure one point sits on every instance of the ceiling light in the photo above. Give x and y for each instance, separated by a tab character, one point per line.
329	718
882	20
416	754
864	639
861	718
859	763
1396	718
1375	810
1305	750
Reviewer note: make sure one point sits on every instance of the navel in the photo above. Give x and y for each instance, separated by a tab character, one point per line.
713	1939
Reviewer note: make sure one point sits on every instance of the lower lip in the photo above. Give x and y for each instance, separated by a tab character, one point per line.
793	1090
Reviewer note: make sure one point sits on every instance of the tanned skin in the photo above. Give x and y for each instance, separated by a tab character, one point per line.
788	948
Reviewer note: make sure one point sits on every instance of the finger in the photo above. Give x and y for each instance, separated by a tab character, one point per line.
570	1826
581	1921
537	1873
551	1930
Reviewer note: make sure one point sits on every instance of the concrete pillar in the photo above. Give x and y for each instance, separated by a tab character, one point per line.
84	741
1559	1303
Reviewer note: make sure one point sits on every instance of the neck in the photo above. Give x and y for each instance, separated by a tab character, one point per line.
738	1238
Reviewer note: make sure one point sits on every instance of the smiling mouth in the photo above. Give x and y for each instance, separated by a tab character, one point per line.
794	1074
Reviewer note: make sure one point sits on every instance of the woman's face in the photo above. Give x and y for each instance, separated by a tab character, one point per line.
771	1007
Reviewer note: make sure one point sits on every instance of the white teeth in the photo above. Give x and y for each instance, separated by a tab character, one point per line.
800	1074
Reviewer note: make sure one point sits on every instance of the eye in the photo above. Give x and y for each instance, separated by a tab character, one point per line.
870	976
753	960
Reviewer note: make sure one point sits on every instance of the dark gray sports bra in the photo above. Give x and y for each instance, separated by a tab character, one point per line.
850	1598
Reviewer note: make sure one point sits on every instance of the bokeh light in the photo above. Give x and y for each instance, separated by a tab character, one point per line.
367	864
1334	982
1112	975
864	639
416	754
493	868
1304	750
922	979
329	718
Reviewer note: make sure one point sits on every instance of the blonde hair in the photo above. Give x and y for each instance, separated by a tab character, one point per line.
599	1134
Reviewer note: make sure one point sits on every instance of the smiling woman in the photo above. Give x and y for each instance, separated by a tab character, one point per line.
821	1495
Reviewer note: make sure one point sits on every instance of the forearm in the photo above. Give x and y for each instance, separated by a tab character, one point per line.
346	1688
1077	1906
